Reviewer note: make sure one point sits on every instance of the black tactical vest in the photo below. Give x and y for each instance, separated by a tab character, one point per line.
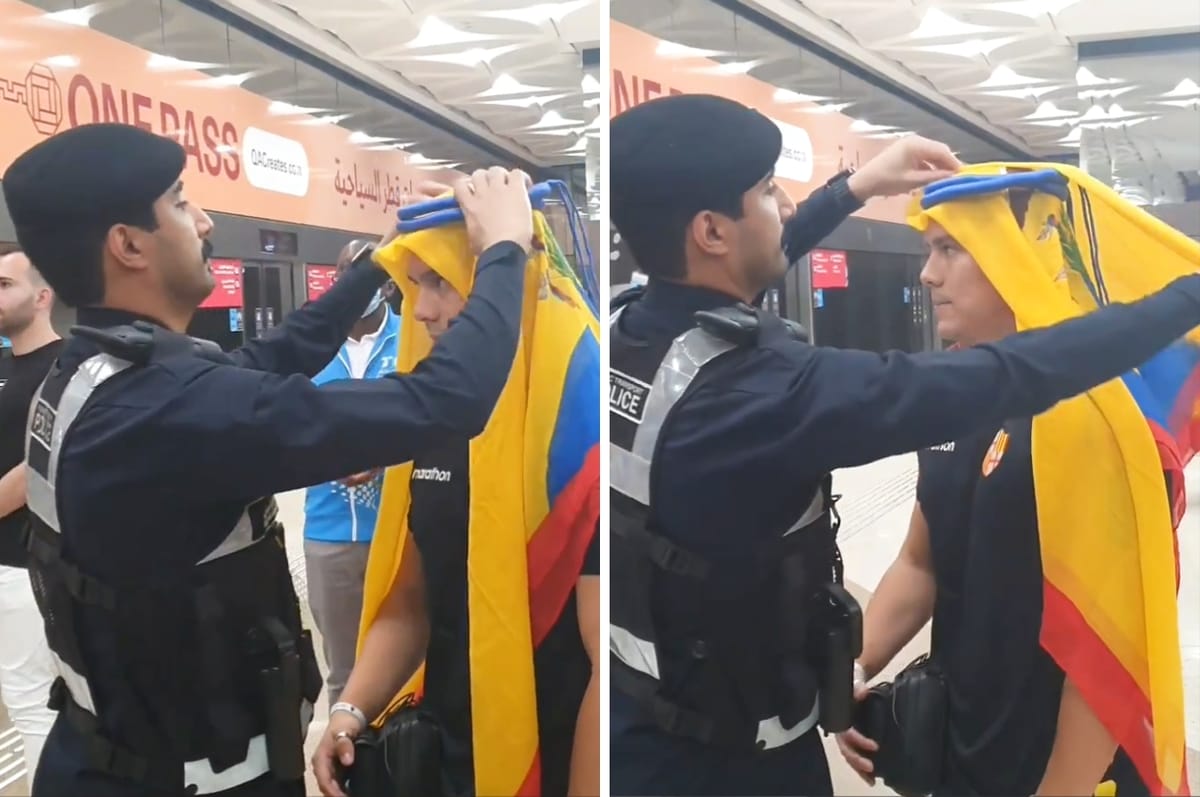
747	670
233	626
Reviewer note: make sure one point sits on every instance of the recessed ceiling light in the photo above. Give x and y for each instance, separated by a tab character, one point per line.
831	108
526	102
668	49
278	108
1033	8
1186	88
81	17
476	56
730	67
787	95
937	24
552	119
538	14
971	48
1084	77
863	126
1192	103
64	61
436	33
166	63
1003	77
505	85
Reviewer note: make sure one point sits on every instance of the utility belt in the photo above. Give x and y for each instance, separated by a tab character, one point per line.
798	663
277	751
255	679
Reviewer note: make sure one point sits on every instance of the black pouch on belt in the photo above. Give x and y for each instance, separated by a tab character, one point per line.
840	635
281	699
907	719
401	757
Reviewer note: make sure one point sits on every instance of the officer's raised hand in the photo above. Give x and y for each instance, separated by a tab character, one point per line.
495	204
335	753
906	165
855	747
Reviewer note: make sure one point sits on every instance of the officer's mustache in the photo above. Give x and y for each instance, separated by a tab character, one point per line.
206	250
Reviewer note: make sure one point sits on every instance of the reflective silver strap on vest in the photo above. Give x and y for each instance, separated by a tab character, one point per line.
629	474
47	427
629	471
39	490
42	501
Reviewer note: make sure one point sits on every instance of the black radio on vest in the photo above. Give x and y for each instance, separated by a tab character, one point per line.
753	668
257	675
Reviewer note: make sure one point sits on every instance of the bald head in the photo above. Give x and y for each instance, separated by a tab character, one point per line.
348	252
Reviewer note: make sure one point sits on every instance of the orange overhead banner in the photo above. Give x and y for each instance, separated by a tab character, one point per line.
246	155
816	146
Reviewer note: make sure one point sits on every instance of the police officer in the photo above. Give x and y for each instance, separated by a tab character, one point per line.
731	637
157	555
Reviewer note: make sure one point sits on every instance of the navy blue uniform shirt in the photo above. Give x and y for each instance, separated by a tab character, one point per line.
162	459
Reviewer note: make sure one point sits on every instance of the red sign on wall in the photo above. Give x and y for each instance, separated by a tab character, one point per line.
227	291
318	279
829	269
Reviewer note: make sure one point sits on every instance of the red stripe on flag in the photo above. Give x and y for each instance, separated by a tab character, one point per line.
532	785
558	547
1105	684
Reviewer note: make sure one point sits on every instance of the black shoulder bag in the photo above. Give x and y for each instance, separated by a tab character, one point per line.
402	756
907	719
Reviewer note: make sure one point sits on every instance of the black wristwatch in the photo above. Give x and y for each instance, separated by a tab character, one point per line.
839	186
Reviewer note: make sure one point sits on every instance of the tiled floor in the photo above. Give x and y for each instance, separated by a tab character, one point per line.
875	510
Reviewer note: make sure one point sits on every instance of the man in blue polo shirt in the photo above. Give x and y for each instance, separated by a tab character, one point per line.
339	516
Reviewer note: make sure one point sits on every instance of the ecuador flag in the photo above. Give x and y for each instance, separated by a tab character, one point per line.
534	498
1107	538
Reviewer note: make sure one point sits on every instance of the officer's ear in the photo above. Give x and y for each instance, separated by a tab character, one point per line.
711	233
128	246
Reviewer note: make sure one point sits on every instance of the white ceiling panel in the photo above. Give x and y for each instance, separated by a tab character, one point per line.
511	65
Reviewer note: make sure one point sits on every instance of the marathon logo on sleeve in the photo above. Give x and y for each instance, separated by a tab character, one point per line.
41	425
627	396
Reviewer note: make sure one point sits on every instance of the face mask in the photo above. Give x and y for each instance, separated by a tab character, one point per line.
374	305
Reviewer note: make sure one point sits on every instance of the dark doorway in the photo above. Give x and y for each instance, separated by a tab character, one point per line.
269	295
883	307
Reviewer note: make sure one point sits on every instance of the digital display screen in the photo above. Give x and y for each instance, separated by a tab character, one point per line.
275	242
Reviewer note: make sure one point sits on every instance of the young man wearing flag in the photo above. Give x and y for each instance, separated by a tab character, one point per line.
482	593
1017	724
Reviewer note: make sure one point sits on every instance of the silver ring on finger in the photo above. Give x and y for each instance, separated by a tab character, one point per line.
337	737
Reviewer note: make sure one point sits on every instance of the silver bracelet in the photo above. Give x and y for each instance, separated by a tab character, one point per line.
352	710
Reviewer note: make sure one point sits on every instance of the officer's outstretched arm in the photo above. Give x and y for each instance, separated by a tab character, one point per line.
814	219
852	407
310	337
244	433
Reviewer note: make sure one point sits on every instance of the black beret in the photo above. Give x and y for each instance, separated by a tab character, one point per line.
686	153
93	174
